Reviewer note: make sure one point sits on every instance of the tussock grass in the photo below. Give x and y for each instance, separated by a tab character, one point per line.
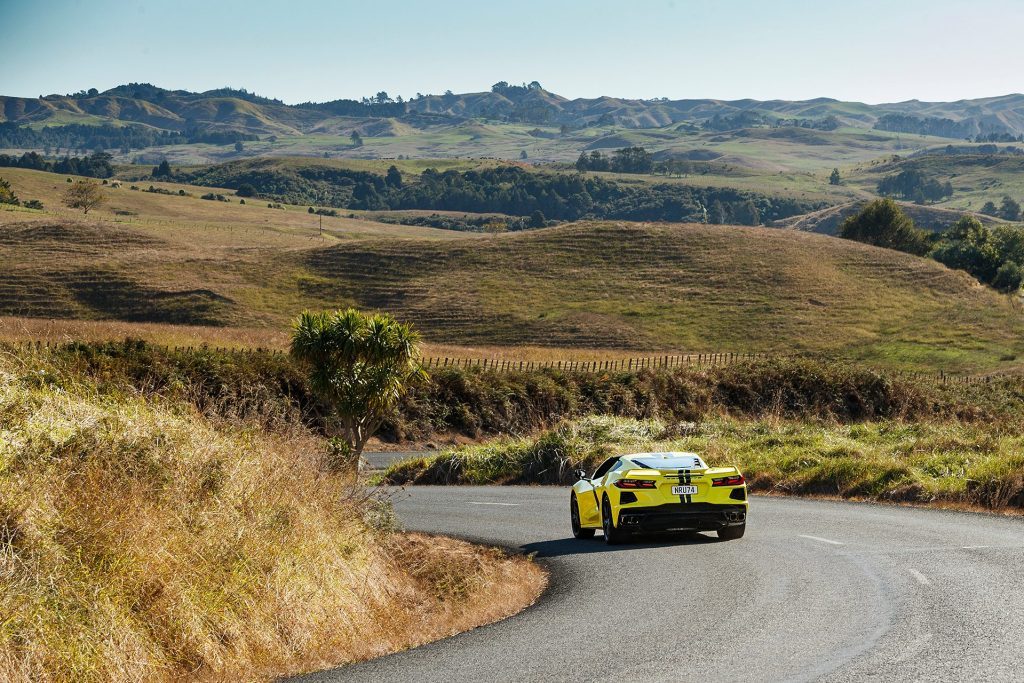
141	541
944	463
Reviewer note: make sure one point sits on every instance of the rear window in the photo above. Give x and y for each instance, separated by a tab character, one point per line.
670	462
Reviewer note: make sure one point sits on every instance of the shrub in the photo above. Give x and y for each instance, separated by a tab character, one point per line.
1008	278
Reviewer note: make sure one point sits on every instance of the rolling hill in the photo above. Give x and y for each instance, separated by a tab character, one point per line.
609	285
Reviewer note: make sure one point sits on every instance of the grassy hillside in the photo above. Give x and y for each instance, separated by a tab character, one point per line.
140	541
603	285
681	286
976	177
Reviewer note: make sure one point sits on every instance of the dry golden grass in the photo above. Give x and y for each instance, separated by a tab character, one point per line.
140	542
630	288
201	222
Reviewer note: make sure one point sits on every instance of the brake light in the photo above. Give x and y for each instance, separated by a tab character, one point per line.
636	484
734	480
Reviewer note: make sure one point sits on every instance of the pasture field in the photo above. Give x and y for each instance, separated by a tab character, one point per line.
976	178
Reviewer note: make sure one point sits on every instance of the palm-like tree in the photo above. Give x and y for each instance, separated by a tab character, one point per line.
360	364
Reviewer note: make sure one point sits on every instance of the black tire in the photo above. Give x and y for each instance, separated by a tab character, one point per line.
612	534
574	518
731	533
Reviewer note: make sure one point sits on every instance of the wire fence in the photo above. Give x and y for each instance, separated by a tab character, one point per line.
609	365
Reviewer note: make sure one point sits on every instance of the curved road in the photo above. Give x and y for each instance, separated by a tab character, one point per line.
815	591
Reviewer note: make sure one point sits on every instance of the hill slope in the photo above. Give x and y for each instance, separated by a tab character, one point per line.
611	285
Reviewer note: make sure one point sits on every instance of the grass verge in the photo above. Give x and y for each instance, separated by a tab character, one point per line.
954	463
140	540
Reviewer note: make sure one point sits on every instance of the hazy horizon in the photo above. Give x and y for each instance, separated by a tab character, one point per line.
791	50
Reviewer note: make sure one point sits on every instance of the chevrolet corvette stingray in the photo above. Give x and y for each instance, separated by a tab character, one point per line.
658	492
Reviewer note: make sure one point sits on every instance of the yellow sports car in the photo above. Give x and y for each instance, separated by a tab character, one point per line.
656	492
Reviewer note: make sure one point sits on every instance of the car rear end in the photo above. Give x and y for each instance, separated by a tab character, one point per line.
678	492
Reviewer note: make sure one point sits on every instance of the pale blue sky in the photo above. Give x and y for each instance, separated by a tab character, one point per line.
868	50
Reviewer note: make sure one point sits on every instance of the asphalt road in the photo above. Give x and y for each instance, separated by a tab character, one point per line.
815	591
379	461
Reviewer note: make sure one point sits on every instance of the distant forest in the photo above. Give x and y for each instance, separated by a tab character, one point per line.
506	190
88	138
94	166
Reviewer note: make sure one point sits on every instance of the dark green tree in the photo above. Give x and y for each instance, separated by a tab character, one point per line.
239	146
989	209
537	219
1009	209
163	170
1008	277
717	213
7	195
393	178
746	213
884	224
245	190
969	245
834	178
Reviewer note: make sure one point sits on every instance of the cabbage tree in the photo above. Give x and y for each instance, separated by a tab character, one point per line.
361	365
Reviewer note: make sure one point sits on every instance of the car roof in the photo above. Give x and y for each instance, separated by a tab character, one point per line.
670	460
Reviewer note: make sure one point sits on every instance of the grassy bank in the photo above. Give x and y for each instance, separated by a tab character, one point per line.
268	389
972	464
140	540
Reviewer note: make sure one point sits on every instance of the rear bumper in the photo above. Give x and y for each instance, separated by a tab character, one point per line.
682	517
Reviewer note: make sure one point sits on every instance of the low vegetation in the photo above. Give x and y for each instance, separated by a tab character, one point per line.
929	462
141	541
271	390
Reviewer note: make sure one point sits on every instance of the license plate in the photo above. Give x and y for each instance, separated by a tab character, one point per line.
684	490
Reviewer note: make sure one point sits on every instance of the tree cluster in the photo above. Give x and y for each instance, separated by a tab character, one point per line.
742	119
625	160
94	166
928	125
915	185
993	255
1008	209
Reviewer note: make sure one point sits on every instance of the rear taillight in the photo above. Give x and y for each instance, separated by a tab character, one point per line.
636	484
734	480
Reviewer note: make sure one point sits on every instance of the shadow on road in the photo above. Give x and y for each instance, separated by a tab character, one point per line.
574	546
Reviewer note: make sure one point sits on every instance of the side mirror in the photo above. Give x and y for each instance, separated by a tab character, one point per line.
582	474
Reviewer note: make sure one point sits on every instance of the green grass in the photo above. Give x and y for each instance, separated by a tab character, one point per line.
943	463
763	151
976	178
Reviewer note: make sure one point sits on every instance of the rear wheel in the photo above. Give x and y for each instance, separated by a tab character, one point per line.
574	516
731	533
612	535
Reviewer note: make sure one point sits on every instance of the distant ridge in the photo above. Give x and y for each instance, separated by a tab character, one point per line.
239	110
